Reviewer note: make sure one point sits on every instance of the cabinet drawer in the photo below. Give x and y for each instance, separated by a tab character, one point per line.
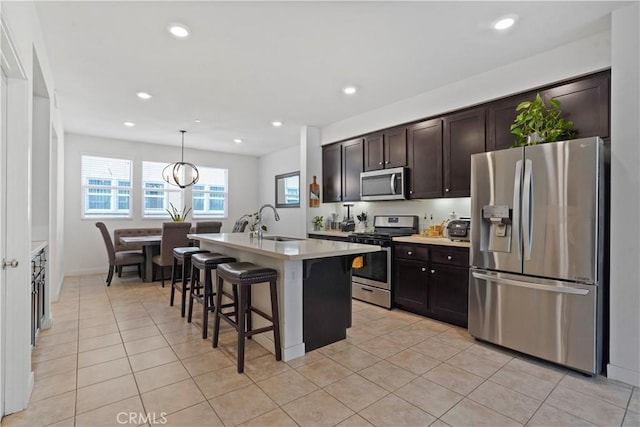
453	256
415	252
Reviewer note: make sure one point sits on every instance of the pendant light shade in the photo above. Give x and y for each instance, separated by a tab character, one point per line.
181	174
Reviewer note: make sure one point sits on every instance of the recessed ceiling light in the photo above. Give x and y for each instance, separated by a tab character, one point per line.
129	124
180	31
349	90
505	22
144	95
277	124
237	141
197	120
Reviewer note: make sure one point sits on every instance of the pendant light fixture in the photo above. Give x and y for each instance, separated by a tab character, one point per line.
181	174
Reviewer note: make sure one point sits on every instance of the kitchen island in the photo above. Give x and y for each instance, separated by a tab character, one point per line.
314	286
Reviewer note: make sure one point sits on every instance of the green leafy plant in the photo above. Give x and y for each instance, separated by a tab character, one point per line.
537	122
176	215
318	222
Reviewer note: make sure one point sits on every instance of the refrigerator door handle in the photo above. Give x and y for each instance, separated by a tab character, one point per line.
527	205
515	227
557	289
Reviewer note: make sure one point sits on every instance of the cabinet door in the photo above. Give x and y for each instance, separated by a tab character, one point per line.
332	173
500	115
352	162
395	147
448	294
425	159
374	152
464	135
410	285
586	103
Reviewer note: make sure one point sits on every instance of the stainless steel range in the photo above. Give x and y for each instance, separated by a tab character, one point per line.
372	282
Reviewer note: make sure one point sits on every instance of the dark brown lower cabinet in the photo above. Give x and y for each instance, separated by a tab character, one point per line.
436	285
448	294
410	290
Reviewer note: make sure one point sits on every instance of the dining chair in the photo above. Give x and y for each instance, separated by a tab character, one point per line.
174	234
240	225
120	258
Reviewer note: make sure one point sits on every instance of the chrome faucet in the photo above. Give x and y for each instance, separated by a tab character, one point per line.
275	214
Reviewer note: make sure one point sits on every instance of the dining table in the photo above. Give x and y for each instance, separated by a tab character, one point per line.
150	247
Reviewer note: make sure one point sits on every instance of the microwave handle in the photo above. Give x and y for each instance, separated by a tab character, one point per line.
393	183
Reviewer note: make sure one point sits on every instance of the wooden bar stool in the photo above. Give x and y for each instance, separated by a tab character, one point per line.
182	256
244	275
204	293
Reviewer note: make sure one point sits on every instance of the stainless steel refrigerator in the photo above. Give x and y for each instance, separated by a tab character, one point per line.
537	235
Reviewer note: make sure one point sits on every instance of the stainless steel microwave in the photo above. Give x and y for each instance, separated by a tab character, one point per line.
385	184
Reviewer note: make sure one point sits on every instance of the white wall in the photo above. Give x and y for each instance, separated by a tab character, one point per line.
23	27
624	347
82	234
581	57
291	219
40	169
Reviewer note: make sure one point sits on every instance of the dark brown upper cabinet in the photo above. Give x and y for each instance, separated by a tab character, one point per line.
332	173
584	101
387	149
341	168
425	159
464	135
352	166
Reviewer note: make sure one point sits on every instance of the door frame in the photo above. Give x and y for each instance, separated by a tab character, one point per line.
16	337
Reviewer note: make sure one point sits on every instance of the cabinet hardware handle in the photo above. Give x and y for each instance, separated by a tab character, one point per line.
424	269
411	192
409	253
13	263
379	163
433	272
449	257
387	162
446	190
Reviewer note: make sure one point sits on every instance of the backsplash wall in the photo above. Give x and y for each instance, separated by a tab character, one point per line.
439	208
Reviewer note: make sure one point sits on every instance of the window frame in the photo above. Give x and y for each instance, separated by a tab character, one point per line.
114	191
167	189
208	193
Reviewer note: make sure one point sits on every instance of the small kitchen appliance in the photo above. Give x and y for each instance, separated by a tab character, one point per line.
459	229
372	282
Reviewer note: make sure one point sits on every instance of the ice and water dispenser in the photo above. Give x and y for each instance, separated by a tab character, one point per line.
496	228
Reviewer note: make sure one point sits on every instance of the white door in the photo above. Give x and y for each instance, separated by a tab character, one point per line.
3	229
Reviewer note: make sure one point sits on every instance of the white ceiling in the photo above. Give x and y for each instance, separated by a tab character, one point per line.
249	63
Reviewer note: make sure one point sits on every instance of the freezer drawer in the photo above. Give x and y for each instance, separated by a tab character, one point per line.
372	294
550	319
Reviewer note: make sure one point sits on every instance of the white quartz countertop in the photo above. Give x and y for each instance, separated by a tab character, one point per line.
432	241
37	246
289	250
336	233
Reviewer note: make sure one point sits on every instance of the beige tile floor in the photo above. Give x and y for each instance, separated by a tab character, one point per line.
122	350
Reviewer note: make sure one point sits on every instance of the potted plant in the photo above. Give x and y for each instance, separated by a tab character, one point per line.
363	217
178	216
536	122
318	222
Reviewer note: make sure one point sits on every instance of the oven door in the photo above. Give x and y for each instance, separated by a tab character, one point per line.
375	269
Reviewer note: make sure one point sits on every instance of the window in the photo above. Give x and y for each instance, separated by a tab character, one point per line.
106	187
157	194
210	195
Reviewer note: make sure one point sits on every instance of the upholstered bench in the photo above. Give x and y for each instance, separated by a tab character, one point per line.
132	232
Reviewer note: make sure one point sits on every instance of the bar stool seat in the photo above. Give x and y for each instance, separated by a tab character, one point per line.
182	255
204	293
244	275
